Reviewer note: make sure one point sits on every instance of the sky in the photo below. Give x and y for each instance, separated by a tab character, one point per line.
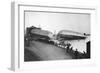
55	22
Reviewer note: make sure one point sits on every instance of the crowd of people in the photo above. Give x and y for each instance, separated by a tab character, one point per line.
74	53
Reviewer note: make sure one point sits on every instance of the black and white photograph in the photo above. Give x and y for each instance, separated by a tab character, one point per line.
52	35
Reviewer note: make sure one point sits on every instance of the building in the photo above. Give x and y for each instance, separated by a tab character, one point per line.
37	33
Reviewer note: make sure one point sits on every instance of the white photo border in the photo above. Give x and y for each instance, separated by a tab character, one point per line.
18	21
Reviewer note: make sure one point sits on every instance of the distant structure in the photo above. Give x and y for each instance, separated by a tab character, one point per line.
70	35
36	33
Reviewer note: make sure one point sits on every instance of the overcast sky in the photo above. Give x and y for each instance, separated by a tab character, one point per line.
58	21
